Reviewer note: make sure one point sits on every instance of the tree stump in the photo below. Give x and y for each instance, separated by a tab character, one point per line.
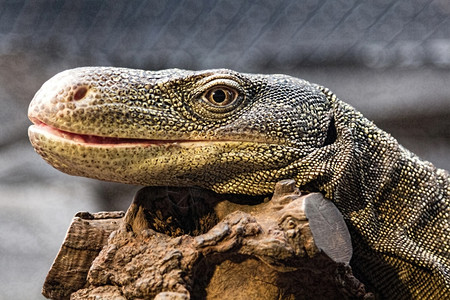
190	243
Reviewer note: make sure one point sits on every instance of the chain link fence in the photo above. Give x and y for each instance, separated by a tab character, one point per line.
247	35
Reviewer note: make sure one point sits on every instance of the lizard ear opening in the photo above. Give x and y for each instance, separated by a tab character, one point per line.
331	133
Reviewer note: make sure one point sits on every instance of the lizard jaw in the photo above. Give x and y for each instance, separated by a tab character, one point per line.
157	163
133	161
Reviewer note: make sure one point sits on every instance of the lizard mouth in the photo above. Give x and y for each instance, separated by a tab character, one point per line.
94	140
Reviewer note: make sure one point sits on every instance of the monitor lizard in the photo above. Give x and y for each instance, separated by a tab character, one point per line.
241	133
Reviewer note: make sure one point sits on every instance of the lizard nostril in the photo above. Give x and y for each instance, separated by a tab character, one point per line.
80	93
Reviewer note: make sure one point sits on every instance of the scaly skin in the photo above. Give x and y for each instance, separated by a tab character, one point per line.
241	133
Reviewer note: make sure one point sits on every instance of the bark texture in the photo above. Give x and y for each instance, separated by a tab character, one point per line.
188	243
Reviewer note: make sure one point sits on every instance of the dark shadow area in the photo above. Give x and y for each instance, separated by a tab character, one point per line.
182	210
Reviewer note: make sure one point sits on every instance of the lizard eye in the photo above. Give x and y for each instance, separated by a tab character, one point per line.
221	96
218	96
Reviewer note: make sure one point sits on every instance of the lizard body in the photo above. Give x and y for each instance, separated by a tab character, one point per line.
241	133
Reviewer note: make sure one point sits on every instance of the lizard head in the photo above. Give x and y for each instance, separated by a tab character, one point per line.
218	129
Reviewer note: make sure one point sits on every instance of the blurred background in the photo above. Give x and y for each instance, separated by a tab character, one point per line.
388	58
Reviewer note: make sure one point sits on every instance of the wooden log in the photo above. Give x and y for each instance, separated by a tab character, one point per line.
85	238
188	243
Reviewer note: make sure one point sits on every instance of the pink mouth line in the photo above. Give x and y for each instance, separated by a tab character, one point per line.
99	140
